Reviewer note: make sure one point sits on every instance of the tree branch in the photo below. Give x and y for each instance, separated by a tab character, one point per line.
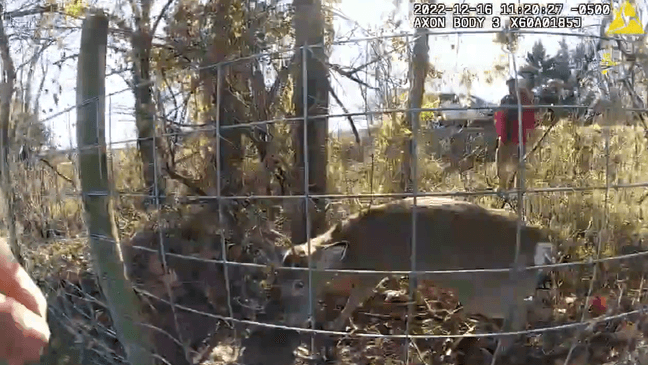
282	78
159	17
57	172
51	8
353	127
349	75
184	180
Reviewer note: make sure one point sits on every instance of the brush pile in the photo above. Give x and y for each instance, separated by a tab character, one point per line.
79	315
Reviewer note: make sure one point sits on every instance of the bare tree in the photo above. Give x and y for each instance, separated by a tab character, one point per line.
141	41
309	30
417	74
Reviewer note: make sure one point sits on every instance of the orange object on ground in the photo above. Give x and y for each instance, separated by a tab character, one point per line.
599	305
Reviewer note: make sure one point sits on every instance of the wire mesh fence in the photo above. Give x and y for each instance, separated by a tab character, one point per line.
201	251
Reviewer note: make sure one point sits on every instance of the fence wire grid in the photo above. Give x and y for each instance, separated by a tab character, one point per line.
87	322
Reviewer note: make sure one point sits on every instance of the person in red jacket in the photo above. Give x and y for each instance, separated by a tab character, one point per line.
24	332
506	124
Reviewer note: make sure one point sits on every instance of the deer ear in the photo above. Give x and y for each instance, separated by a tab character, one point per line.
332	254
283	255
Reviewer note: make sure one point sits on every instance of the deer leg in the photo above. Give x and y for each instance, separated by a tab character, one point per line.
356	298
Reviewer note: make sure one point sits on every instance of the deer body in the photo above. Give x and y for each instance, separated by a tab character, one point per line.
451	234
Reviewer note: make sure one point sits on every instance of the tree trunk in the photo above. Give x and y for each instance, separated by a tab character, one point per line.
144	108
93	173
231	150
417	74
6	95
309	30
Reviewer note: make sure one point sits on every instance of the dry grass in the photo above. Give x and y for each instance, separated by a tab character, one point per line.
570	156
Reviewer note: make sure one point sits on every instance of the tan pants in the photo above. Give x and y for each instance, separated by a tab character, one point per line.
507	160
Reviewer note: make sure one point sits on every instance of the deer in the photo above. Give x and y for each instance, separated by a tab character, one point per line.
451	234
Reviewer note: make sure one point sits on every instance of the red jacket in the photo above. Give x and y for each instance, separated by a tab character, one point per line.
506	121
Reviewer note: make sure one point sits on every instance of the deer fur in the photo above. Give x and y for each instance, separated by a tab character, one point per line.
451	234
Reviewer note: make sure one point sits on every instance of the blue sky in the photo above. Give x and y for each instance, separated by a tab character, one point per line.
474	52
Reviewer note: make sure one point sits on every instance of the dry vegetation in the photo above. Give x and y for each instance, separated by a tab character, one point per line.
570	156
